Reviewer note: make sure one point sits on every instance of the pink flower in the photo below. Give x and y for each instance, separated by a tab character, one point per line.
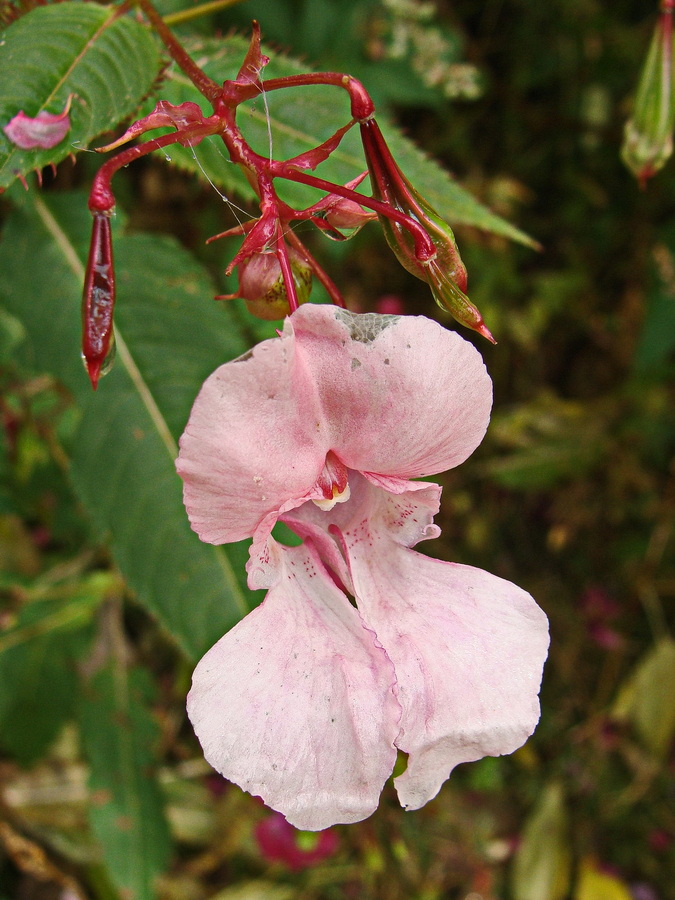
280	842
307	700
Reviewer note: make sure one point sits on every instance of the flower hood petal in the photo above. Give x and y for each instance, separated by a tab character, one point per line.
404	397
296	702
396	397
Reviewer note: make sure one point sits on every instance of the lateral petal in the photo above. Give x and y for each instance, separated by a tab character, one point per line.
252	443
468	647
296	702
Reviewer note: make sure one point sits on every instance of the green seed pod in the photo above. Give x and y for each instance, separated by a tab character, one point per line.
648	136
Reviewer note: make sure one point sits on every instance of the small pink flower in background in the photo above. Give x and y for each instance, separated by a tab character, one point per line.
660	840
307	700
600	610
390	305
45	130
280	842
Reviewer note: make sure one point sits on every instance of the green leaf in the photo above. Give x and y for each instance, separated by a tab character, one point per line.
125	445
647	700
543	443
126	808
11	335
38	654
541	867
107	64
656	342
300	119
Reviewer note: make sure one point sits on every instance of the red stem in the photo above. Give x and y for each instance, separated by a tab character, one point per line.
101	198
286	270
205	85
362	107
424	246
331	288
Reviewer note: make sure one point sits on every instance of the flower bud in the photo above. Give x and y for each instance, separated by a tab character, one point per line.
446	273
339	217
343	218
262	286
401	242
648	136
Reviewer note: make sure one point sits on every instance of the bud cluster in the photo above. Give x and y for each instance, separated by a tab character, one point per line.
274	268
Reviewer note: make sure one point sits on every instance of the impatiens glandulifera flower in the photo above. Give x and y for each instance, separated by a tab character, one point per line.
362	646
45	130
648	138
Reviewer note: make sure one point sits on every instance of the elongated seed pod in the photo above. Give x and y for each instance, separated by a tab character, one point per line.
98	300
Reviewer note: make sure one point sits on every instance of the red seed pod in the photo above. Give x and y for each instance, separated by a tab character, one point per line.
98	301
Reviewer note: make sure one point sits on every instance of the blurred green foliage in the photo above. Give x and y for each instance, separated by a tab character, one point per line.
108	598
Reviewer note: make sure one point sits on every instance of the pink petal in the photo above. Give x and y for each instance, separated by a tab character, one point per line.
468	647
396	397
46	130
402	396
248	448
295	703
